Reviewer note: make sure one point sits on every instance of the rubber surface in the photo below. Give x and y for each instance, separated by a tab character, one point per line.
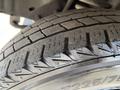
55	34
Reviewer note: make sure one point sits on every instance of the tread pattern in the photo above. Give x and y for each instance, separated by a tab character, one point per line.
71	24
27	53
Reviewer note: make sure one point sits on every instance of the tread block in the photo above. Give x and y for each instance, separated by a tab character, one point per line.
102	19
87	21
21	43
77	38
51	17
45	25
115	18
17	61
26	29
117	30
112	33
39	22
93	13
35	52
36	36
33	30
65	14
78	15
54	41
18	37
7	45
53	30
70	12
8	51
97	36
71	24
59	20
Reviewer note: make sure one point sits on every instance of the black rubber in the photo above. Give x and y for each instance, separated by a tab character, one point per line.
58	33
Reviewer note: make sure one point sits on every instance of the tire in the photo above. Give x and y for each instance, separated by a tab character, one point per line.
73	50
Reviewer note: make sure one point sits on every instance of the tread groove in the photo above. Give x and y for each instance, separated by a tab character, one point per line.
30	40
107	39
42	58
66	46
43	33
88	42
13	48
7	74
26	67
7	71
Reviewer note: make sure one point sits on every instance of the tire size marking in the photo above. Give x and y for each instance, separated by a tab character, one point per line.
92	82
